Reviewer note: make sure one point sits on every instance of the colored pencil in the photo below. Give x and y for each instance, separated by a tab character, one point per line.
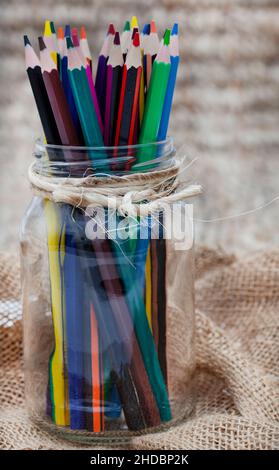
150	51
114	76
134	22
58	374
84	103
73	313
86	65
64	77
85	47
142	330
50	40
123	319
155	100
126	37
174	58
100	82
58	101
34	72
129	95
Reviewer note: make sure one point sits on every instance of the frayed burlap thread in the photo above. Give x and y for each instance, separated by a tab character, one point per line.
237	377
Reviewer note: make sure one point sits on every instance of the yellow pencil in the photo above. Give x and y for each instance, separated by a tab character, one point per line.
59	389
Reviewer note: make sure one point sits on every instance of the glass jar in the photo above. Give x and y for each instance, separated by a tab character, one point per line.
108	303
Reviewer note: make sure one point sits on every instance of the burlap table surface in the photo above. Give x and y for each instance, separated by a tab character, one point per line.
237	317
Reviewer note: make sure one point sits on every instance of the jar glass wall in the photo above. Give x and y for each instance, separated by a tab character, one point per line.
108	306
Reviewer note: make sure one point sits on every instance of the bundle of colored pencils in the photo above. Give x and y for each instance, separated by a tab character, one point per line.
109	318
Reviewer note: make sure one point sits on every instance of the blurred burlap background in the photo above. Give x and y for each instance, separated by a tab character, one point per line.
237	360
226	113
226	106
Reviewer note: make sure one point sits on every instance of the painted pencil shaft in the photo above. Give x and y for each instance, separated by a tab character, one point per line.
110	339
163	129
127	106
124	323
74	313
58	373
69	96
87	115
43	106
143	333
114	75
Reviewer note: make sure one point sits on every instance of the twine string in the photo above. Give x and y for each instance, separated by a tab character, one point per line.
130	195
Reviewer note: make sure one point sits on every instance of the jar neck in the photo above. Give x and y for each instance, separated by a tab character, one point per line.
64	161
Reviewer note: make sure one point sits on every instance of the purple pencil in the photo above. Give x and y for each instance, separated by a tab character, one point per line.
100	82
114	76
87	67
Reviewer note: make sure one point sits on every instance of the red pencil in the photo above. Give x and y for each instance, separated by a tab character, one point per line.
129	95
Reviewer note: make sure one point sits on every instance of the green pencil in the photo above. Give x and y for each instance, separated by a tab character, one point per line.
155	100
84	103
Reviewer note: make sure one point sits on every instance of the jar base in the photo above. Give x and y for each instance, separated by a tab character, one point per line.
111	437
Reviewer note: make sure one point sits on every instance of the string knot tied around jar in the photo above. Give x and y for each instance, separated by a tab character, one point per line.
130	195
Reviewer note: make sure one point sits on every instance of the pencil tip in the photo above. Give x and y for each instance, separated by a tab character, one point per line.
60	33
47	30
52	27
26	40
111	29
134	22
153	28
83	33
127	26
116	40
75	39
174	30
167	37
136	39
69	42
74	31
67	30
42	45
135	30
146	29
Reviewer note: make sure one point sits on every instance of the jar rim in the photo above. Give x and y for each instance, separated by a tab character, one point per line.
41	146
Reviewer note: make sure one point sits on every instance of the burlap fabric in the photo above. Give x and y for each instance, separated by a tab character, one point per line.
237	360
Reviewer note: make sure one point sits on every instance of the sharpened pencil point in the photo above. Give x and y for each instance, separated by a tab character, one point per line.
127	26
111	29
134	22
52	27
42	45
67	30
69	42
60	33
47	30
135	30
116	40
153	28
26	40
75	39
136	39
83	33
146	29
74	32
174	30
167	37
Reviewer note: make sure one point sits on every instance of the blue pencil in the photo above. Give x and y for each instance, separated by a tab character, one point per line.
74	305
64	77
142	249
163	129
